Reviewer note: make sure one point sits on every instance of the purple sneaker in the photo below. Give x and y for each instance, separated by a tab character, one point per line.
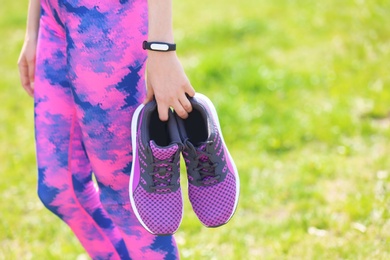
155	192
213	182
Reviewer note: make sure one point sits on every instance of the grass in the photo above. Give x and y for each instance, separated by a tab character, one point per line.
302	91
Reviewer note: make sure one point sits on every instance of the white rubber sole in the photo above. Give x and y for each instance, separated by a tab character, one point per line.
134	130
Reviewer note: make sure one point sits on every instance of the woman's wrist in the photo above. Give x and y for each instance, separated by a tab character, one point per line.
31	35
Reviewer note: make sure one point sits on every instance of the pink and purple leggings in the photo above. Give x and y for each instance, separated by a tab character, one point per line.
89	80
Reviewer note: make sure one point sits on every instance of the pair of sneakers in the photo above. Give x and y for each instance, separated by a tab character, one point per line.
213	182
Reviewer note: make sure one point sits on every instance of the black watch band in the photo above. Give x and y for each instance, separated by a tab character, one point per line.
158	46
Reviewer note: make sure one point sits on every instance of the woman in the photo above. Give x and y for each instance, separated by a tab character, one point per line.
83	62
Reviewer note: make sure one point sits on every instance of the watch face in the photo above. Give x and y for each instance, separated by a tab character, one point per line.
159	46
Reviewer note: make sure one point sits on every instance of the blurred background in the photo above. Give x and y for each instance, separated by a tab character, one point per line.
302	89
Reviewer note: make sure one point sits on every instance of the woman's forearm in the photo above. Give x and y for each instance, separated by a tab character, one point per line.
160	21
34	12
165	76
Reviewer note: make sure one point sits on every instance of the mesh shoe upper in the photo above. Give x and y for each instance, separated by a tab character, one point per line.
158	205
212	175
217	209
155	192
212	187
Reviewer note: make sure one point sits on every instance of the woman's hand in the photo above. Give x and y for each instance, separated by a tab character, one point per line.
168	83
26	61
26	64
166	80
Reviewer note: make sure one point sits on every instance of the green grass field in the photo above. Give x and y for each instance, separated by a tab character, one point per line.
303	93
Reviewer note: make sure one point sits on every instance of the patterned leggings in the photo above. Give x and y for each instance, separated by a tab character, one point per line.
89	80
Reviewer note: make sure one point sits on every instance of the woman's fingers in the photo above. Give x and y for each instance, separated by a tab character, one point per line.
31	74
162	109
24	75
181	107
189	90
26	65
180	110
185	103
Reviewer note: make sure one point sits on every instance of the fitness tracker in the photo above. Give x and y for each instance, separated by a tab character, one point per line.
158	46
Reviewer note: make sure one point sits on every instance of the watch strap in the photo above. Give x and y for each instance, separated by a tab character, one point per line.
158	46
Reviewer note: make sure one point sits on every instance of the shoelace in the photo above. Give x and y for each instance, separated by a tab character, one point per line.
162	175
206	168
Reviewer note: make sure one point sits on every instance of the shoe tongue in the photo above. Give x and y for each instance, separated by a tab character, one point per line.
163	153
198	148
202	147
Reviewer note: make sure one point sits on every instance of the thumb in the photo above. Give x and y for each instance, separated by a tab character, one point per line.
190	90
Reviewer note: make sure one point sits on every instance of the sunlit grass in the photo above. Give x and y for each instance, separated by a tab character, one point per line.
302	91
